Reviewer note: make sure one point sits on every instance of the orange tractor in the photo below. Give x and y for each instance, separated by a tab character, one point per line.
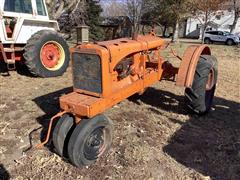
106	73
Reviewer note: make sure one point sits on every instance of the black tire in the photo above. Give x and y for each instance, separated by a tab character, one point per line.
207	41
199	99
90	139
229	42
61	134
32	53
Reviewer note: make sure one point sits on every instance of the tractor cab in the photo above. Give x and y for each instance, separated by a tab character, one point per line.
13	12
27	8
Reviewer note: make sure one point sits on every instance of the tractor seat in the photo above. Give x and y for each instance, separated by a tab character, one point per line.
8	31
9	26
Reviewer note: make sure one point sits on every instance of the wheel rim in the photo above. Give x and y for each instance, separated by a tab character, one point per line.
207	41
230	42
210	88
95	146
210	81
52	55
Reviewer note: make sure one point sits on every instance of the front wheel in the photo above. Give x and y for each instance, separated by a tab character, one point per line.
230	42
200	96
61	134
90	139
46	54
207	41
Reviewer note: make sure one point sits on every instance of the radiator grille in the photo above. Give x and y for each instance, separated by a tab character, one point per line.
87	72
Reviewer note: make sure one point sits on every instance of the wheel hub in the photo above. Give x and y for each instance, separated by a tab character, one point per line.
93	145
210	82
50	54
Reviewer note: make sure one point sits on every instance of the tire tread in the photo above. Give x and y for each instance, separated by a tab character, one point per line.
195	96
32	57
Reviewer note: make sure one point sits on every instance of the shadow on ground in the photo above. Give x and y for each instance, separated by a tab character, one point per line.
21	69
209	144
4	175
160	99
3	69
49	104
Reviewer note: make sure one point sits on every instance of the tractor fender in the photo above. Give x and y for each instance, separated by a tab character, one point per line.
189	62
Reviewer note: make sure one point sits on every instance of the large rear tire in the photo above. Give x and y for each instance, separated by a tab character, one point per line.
46	54
199	97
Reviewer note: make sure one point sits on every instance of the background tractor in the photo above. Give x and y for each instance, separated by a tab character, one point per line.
27	35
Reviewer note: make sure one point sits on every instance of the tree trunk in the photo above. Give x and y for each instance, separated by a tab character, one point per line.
59	11
201	34
233	27
164	31
204	27
176	32
64	6
143	32
236	17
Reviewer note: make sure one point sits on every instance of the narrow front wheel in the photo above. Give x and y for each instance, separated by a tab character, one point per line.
90	139
61	134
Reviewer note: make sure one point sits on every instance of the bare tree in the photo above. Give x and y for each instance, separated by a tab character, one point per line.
179	10
135	9
113	8
57	7
204	11
236	8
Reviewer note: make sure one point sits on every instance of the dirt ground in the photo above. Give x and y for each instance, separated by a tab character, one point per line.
154	136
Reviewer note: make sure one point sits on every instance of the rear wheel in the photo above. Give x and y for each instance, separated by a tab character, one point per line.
199	97
90	139
207	41
47	54
230	42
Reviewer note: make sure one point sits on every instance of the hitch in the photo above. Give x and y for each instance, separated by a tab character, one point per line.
60	114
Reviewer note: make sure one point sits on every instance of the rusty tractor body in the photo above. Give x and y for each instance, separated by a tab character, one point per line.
106	73
112	82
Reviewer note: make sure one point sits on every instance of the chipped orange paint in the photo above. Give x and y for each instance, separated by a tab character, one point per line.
145	71
189	62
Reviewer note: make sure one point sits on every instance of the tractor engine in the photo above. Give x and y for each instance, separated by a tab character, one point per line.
116	63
